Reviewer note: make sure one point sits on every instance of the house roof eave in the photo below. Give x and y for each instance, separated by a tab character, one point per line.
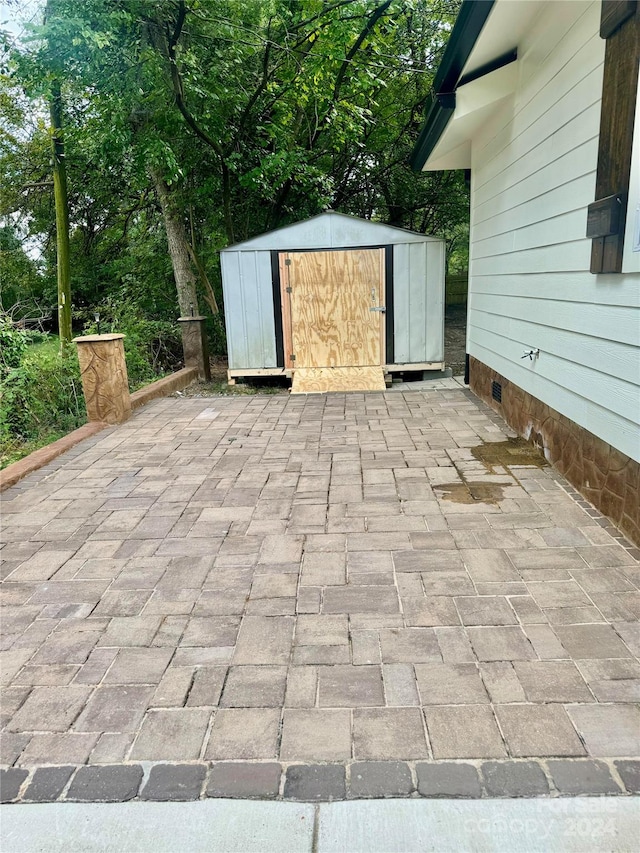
468	26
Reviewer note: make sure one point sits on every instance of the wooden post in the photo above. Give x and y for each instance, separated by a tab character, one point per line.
104	378
195	345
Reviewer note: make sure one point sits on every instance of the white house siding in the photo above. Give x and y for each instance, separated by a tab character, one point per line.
533	176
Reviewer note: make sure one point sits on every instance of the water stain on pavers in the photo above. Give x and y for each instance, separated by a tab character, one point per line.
513	451
283	582
469	492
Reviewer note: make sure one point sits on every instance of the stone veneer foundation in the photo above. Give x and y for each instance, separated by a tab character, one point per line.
609	479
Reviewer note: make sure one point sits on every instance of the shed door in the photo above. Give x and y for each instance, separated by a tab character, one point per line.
327	302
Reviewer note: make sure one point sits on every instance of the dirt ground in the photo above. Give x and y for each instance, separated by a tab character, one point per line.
455	335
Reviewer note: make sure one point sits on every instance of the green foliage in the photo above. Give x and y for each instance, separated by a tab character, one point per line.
40	393
13	346
152	347
255	114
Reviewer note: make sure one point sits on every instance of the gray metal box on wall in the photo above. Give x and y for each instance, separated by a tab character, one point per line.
413	307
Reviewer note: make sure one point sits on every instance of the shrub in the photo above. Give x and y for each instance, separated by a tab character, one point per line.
40	393
152	347
13	345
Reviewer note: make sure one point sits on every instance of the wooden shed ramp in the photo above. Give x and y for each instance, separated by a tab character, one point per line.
309	380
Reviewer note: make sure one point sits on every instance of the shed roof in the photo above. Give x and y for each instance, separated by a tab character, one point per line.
330	230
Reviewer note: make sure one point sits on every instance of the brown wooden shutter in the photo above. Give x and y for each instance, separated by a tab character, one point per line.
606	219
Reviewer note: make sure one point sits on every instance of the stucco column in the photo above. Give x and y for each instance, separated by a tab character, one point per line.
195	345
104	377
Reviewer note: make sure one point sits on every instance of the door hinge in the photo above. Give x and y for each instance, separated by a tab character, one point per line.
292	357
289	289
287	262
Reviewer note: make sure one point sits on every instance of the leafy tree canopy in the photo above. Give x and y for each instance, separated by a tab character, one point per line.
216	121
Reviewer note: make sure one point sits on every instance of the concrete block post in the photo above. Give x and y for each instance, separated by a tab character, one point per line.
195	345
104	377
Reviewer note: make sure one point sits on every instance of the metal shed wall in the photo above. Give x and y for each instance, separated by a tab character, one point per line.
418	287
418	302
248	309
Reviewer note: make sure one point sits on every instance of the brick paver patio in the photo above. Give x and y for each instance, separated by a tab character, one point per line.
307	583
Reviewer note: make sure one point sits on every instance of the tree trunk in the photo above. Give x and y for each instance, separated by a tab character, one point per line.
183	272
62	217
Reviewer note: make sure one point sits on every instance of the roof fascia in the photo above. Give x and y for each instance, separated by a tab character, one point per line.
468	26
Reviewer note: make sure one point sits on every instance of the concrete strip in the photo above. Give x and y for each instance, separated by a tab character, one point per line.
13	473
481	826
210	826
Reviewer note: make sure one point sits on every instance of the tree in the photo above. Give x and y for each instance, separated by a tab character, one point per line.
224	119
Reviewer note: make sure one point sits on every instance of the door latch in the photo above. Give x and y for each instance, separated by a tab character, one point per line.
380	308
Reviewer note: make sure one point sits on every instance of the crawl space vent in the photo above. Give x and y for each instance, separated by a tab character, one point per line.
496	391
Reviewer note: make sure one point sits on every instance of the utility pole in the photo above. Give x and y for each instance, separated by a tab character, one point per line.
61	199
62	217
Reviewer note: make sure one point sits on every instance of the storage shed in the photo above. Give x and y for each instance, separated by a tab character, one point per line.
335	302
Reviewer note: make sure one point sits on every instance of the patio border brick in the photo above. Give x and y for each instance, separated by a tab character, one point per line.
321	782
244	780
15	472
10	783
174	782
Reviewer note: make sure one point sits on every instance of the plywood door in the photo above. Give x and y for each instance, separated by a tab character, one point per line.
327	299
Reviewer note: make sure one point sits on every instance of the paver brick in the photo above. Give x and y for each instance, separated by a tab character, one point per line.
315	783
381	734
489	564
514	779
115	709
360	599
502	682
430	611
10	783
316	630
463	731
171	734
174	782
538	730
138	666
244	733
111	748
254	686
316	735
608	730
592	641
243	780
409	645
509	643
349	686
400	684
355	475
11	745
630	774
50	709
203	631
106	784
450	684
485	610
380	779
582	776
454	645
552	681
448	779
264	640
47	783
